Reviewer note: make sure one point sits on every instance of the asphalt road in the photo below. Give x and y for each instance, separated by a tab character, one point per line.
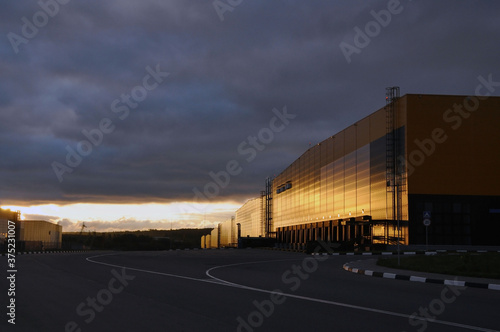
229	290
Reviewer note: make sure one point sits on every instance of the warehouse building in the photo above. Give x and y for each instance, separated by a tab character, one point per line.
423	168
38	235
5	216
248	222
30	234
421	157
206	241
214	238
228	234
224	235
250	217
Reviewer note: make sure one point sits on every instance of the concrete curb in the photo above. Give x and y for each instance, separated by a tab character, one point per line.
420	279
418	252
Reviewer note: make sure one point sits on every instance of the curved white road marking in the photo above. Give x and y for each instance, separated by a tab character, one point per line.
305	298
89	259
340	304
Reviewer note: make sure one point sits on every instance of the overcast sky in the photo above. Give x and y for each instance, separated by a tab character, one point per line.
168	91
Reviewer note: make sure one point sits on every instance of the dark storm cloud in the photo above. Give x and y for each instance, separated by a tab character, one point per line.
225	79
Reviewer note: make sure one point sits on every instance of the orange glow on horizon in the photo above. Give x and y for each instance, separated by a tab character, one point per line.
182	214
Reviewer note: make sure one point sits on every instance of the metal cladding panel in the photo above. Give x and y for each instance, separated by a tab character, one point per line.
377	125
333	179
251	217
401	109
363	132
338	146
214	238
350	139
40	230
452	145
227	236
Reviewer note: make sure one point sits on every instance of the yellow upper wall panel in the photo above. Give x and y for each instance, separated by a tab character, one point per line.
452	145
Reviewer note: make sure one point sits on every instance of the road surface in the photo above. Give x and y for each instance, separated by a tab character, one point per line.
229	290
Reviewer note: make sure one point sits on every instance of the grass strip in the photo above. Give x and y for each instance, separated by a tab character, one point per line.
481	265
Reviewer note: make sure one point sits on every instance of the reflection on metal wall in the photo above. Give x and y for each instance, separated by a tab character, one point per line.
228	233
251	217
47	235
249	222
214	238
341	182
355	186
351	186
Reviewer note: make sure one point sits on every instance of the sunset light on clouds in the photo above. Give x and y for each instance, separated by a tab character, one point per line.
119	217
117	113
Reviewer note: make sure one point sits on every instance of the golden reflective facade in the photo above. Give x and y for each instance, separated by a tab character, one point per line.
228	234
214	238
250	217
339	190
443	160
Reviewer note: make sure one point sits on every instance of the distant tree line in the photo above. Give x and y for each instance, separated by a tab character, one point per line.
152	239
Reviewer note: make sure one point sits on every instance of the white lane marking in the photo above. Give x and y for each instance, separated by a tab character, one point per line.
340	304
211	280
89	259
222	282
